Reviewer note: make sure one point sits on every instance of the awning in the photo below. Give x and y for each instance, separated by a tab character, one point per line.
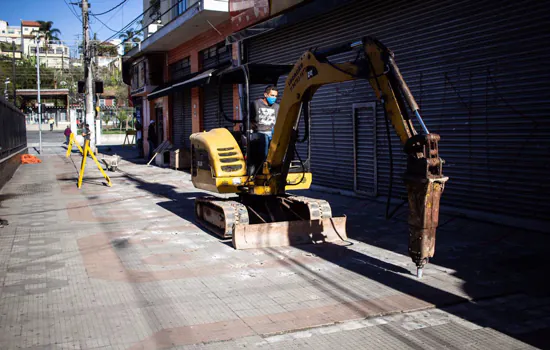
200	79
192	80
160	91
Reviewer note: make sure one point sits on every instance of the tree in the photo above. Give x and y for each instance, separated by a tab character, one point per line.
154	9
107	49
123	117
50	34
130	38
121	95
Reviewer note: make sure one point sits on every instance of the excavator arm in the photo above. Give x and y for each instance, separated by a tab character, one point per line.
424	179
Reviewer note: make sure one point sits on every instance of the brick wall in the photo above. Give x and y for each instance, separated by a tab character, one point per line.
192	47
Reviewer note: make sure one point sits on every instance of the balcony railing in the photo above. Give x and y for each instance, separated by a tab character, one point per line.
154	15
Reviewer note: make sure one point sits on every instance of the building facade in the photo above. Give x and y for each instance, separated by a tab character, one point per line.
10	39
52	55
476	72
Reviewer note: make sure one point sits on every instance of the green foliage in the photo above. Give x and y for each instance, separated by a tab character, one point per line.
130	38
25	76
121	94
123	117
50	34
6	47
107	50
154	10
110	78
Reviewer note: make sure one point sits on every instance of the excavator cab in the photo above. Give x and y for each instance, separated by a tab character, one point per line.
248	76
249	160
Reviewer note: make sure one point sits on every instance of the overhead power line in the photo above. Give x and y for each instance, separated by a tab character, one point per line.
103	13
104	24
73	11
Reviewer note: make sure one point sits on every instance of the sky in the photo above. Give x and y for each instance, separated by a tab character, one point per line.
57	11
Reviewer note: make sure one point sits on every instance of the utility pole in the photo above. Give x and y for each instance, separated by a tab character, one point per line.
38	88
89	99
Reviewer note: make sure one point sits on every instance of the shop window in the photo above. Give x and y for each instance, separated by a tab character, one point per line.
180	68
215	55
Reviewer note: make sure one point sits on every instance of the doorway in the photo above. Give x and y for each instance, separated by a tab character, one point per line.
364	146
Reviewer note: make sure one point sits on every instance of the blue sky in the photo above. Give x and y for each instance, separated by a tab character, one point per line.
64	20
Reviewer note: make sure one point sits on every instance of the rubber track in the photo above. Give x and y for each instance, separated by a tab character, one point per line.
233	212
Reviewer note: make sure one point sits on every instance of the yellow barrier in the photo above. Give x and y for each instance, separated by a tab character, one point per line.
87	151
70	146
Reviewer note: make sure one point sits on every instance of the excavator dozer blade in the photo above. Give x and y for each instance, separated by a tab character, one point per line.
289	233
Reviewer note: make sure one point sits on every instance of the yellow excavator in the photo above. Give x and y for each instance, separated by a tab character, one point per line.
263	213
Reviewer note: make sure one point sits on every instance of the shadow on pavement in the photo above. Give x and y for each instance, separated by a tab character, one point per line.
493	261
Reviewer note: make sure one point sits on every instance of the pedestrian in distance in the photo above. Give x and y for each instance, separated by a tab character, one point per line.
51	122
86	132
67	134
152	137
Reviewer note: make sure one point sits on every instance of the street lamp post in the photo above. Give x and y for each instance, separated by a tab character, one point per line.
38	85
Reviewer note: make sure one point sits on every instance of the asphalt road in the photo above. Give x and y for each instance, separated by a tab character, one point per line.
49	138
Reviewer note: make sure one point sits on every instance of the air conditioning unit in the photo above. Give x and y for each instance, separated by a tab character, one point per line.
153	28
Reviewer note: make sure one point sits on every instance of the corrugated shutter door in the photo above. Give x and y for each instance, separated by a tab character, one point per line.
477	71
187	118
365	147
178	120
211	119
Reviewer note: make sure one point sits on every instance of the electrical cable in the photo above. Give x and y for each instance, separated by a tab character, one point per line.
73	11
104	24
131	23
390	151
103	13
303	168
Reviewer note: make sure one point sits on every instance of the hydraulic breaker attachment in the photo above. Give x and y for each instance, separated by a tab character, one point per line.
425	184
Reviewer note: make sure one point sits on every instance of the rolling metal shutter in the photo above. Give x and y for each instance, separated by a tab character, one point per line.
181	110
219	55
187	118
178	119
479	75
181	103
211	118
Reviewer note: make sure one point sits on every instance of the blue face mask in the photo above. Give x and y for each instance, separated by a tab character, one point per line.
271	100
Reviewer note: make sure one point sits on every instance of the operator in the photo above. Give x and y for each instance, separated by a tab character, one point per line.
263	114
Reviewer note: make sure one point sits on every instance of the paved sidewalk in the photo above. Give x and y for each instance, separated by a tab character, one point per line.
126	268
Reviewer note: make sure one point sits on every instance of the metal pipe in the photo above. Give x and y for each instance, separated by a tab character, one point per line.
421	122
38	88
247	87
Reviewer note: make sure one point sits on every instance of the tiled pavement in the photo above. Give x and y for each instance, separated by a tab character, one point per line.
126	268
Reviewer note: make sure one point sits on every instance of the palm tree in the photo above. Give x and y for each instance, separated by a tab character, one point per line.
49	34
130	39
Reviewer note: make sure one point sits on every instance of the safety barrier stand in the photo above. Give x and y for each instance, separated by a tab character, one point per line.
87	151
